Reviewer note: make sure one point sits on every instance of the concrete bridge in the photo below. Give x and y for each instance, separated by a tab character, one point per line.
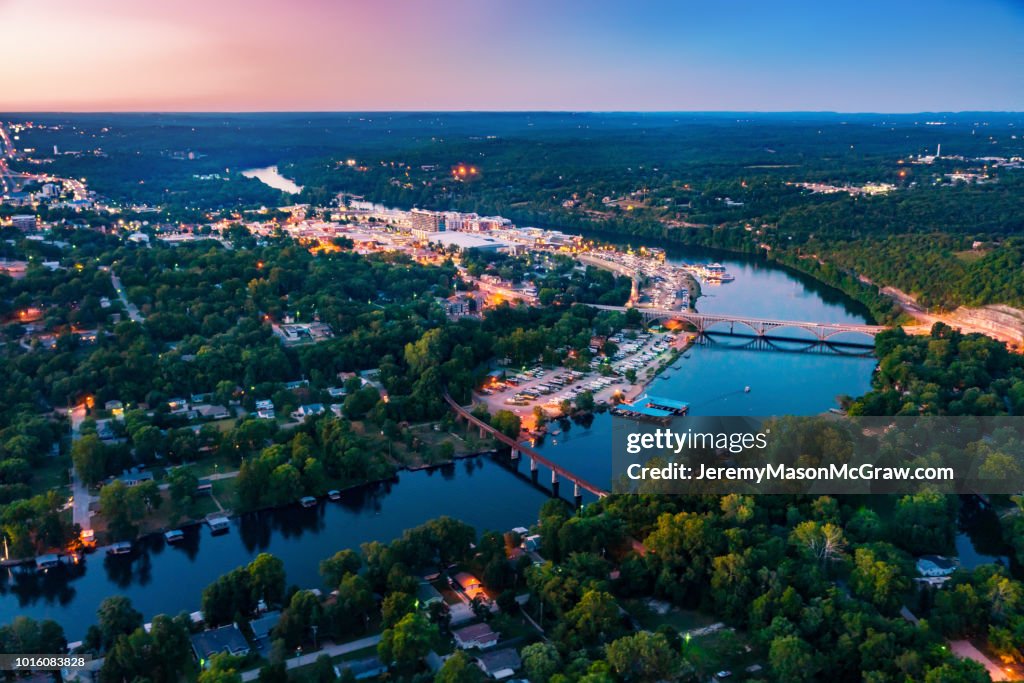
758	327
518	450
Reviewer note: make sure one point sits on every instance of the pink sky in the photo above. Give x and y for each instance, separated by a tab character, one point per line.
251	55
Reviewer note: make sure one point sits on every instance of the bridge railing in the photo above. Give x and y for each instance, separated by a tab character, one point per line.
528	452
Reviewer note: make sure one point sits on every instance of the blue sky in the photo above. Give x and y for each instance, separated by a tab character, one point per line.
765	55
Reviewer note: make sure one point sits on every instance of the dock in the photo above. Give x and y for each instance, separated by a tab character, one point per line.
648	407
218	524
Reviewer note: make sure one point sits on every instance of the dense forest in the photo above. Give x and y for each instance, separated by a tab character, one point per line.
711	179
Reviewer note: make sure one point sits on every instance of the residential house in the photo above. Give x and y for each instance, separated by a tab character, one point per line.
263	626
427	594
500	664
134	477
935	565
478	636
224	639
361	669
470	584
308	410
212	412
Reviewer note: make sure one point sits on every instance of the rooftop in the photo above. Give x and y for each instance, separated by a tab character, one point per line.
464	240
475	632
224	639
262	627
506	660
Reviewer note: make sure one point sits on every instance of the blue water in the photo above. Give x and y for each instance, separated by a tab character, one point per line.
161	579
714	377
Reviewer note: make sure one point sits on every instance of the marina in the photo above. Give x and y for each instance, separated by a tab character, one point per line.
654	408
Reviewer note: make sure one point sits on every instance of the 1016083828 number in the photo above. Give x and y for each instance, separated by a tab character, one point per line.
42	662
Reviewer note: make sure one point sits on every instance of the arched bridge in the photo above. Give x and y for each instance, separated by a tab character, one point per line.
520	450
759	327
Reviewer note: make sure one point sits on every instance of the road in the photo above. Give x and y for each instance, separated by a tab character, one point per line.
7	180
966	650
79	491
133	311
11	181
307	659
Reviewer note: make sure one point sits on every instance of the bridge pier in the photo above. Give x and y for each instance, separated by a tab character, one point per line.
576	489
517	451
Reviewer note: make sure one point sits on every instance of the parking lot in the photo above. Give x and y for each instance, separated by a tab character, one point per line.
521	390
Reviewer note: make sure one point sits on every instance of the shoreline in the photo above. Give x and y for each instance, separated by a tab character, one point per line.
235	514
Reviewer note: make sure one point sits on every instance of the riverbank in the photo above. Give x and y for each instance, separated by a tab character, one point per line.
148	532
484	492
1003	323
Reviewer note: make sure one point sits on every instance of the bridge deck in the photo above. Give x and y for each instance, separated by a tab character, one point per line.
703	320
528	452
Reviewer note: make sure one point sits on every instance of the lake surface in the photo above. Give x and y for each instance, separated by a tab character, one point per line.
270	176
480	491
784	381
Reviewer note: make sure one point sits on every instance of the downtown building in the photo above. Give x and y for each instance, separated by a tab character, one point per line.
425	222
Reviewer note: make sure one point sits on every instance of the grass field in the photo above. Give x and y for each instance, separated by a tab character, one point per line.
52	474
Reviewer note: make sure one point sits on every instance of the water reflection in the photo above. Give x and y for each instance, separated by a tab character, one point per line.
30	586
487	493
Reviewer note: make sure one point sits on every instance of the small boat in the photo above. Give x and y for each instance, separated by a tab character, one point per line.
122	548
334	494
308	501
746	390
664	376
555	432
686	355
45	562
174	536
219	524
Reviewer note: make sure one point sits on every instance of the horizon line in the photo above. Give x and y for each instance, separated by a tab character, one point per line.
956	112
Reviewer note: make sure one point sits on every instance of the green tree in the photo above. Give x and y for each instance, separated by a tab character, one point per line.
408	642
116	617
162	655
459	668
267	578
27	636
507	422
644	657
90	457
594	619
182	484
395	606
335	567
223	668
121	507
541	661
792	659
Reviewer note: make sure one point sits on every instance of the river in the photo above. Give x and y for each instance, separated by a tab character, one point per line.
714	376
480	491
269	175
